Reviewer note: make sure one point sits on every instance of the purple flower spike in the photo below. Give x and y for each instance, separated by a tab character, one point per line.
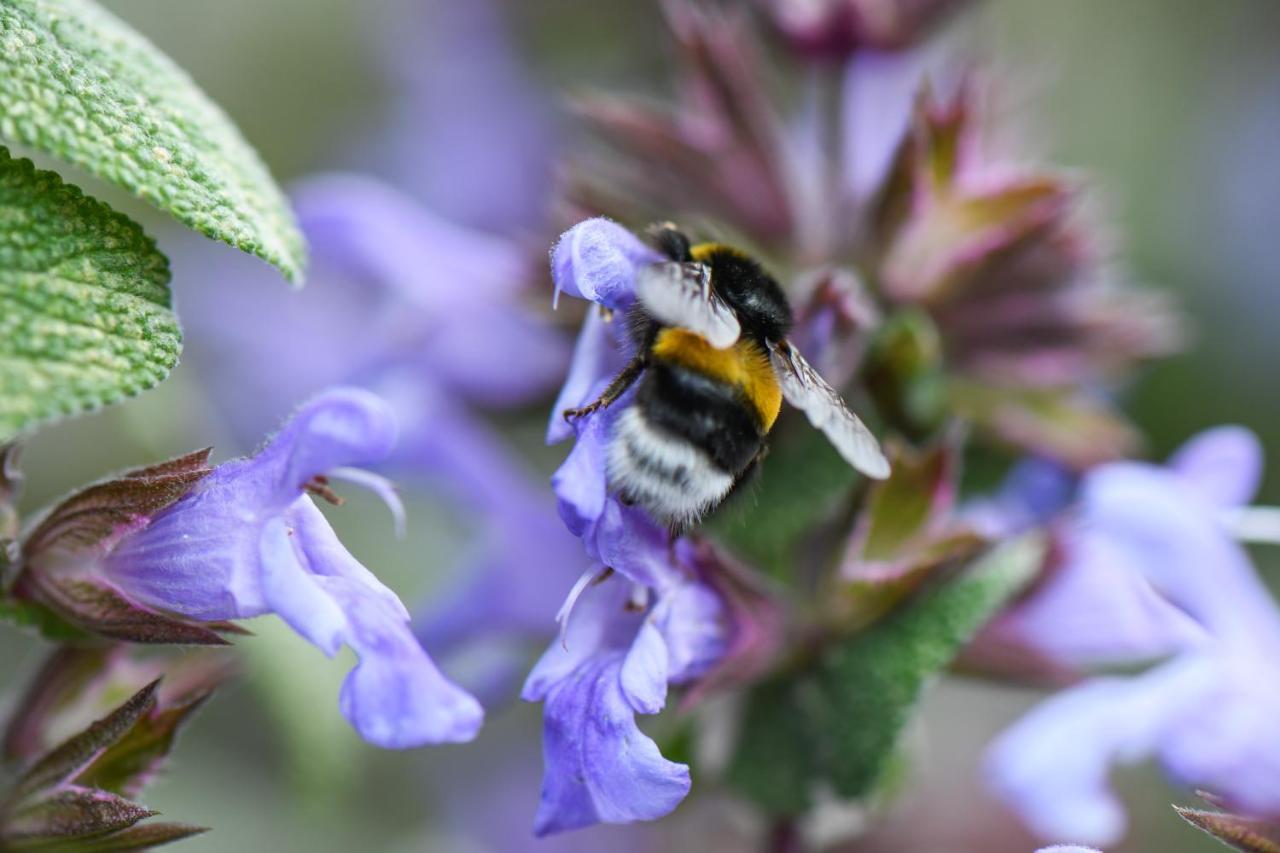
1207	714
597	260
615	660
247	541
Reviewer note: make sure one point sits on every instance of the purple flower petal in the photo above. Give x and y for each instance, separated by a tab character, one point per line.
1223	465
644	671
482	154
597	357
1209	718
395	697
627	540
1176	539
341	427
695	629
247	541
428	264
1095	609
597	260
599	766
1052	765
599	621
291	589
507	357
579	483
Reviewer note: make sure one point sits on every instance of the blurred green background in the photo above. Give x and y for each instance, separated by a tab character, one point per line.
1171	106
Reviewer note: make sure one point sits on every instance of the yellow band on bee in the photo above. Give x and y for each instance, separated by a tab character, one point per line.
702	251
744	366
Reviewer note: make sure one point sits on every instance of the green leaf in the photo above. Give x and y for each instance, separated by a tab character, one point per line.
801	479
872	682
777	759
838	719
79	84
85	314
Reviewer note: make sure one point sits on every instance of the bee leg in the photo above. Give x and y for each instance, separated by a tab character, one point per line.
624	380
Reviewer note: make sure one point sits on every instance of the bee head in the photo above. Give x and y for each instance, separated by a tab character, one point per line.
754	295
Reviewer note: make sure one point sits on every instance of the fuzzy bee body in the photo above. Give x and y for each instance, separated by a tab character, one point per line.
712	369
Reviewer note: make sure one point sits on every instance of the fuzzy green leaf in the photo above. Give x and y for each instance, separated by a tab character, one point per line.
839	718
80	85
872	682
85	314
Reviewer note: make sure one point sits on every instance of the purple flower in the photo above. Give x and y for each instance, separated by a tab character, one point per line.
623	644
248	541
1208	713
1095	605
662	613
598	260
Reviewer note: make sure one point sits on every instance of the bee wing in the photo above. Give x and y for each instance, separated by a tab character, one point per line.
680	294
810	393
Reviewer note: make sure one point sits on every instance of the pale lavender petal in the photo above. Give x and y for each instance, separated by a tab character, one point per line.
1052	766
1175	539
694	622
1223	465
597	260
1226	741
395	697
628	541
201	563
1094	609
428	265
596	359
339	427
599	766
292	590
325	553
644	671
481	153
579	483
1068	848
599	622
200	557
502	355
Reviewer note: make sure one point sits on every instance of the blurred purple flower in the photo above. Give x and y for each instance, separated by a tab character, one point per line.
652	612
623	644
834	29
246	541
1208	713
598	260
480	154
1095	606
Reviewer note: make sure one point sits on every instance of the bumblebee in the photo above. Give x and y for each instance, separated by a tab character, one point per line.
713	365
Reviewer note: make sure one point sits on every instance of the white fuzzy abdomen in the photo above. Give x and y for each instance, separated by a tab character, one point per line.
664	473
